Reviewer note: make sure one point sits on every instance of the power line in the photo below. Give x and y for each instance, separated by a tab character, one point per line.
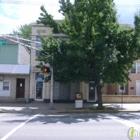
127	5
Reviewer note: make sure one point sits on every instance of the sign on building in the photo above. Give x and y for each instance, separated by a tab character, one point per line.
3	43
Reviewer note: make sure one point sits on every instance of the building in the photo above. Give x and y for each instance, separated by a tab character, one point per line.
131	88
14	72
40	91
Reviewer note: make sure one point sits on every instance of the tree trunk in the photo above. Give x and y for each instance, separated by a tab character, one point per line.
100	105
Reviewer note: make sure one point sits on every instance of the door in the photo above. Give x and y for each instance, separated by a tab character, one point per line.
91	92
39	90
20	89
137	87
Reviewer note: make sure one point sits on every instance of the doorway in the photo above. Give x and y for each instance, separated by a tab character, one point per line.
20	88
92	92
39	90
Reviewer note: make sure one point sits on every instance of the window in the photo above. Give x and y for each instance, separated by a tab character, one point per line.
39	77
121	89
38	46
133	69
5	85
137	67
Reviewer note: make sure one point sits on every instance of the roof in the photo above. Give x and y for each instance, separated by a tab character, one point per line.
14	69
8	41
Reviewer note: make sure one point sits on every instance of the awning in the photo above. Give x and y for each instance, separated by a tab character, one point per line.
14	69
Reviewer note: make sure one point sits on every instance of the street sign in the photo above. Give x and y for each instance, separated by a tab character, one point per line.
3	43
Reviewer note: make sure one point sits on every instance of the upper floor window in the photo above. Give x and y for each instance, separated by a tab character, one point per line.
135	68
38	46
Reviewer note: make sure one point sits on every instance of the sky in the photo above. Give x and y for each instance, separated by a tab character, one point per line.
14	13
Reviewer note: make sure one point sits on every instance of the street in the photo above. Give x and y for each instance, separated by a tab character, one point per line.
90	126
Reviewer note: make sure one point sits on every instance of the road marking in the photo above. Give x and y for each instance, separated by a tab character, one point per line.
125	122
2	115
18	127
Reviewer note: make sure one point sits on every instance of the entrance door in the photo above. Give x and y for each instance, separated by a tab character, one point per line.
92	92
39	90
137	87
20	89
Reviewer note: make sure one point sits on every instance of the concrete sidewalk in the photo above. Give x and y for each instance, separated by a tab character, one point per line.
44	108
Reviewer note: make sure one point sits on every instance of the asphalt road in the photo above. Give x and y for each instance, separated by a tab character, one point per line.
68	126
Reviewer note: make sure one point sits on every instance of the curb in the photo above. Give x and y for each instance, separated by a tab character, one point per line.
2	111
73	111
98	111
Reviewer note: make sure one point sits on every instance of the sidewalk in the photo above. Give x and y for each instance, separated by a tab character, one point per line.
44	108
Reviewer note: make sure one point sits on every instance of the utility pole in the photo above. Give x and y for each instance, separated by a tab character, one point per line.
51	96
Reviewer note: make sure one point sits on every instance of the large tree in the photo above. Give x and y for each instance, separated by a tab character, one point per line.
97	49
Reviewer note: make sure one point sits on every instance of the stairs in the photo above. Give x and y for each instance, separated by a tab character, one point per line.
21	100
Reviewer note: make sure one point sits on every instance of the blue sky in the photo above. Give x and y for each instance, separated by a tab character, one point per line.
18	12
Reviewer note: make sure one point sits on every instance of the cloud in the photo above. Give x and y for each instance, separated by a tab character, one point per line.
23	12
14	13
127	9
7	24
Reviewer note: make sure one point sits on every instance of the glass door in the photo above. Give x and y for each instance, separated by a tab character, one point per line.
39	90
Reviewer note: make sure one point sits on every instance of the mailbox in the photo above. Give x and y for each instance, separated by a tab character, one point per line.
78	96
78	100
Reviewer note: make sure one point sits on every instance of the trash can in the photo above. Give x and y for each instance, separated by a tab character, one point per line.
78	100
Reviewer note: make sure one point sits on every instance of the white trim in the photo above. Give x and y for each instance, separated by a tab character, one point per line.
136	87
42	90
137	65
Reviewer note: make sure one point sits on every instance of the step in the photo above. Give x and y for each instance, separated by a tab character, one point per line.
21	100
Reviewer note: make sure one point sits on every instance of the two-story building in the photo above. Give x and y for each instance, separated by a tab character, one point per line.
14	72
40	91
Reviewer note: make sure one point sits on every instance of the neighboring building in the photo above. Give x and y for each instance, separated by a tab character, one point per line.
14	72
131	88
40	91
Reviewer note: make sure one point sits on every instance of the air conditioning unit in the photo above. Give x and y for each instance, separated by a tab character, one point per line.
1	77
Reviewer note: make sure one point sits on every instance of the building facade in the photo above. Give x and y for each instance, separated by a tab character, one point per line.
40	91
14	72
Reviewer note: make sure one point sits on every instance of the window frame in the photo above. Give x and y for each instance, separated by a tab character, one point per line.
6	86
135	68
122	91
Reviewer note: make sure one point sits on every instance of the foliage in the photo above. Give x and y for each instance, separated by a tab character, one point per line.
97	49
23	31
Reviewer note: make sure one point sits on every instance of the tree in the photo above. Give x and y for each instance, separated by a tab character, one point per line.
23	31
98	49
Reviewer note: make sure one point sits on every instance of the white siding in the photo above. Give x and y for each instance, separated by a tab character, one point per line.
23	55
